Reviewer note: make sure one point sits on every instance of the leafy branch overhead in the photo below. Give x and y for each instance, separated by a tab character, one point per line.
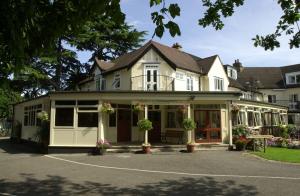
217	10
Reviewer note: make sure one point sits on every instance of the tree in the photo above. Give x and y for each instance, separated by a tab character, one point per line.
216	9
7	98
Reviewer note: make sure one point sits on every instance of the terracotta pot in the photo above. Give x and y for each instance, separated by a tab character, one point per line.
146	149
190	147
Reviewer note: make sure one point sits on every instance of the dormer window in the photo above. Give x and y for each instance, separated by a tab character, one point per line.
219	84
232	73
293	78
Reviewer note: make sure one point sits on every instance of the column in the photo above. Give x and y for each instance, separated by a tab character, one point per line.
229	123
189	116
146	117
100	134
52	122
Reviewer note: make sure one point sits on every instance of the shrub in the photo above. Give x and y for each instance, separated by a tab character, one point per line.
241	144
145	125
189	124
283	131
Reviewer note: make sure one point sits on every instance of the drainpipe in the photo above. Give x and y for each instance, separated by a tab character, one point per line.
146	117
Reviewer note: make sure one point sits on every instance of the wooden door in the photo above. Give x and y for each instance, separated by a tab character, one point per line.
124	125
208	125
155	134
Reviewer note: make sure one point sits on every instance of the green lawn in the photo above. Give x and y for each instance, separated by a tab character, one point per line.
280	154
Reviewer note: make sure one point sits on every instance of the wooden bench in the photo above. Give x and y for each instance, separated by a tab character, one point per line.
172	134
264	137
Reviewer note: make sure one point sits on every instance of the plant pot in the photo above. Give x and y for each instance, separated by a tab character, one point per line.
102	151
240	147
190	148
146	149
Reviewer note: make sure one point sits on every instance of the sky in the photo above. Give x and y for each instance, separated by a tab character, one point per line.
234	41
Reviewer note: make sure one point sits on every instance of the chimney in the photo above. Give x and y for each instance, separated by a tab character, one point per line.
238	65
177	46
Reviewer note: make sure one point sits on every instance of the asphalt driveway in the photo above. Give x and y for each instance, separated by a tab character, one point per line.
23	172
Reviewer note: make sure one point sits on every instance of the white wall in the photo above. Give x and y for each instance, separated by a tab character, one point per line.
217	70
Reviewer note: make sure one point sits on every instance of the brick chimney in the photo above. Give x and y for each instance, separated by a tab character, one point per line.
238	65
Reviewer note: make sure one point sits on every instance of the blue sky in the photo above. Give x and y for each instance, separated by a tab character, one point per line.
233	42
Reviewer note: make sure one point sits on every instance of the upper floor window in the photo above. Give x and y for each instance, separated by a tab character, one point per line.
272	98
117	81
100	83
293	97
179	76
219	84
189	83
232	73
293	78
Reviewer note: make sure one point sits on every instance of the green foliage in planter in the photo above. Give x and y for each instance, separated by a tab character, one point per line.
189	124
145	125
240	131
283	131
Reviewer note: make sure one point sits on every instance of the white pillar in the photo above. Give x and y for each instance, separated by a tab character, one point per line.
229	123
100	134
52	122
146	117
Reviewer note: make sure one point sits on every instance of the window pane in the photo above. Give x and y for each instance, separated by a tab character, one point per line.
171	120
148	75
135	118
215	121
88	119
154	76
112	119
88	102
64	116
250	119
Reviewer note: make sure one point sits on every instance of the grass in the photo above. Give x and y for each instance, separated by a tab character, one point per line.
280	154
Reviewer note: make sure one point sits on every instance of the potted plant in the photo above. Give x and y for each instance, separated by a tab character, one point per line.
138	107
145	125
107	108
240	144
189	125
235	108
102	146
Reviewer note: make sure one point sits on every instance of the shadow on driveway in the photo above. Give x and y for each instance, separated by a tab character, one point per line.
6	146
56	185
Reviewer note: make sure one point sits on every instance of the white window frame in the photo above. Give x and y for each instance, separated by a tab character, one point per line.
151	67
218	84
189	83
292	76
179	75
117	79
273	98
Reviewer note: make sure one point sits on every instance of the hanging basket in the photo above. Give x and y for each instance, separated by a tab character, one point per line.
235	108
107	108
138	107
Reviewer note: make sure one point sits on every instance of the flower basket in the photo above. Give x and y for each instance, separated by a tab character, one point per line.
235	108
138	107
107	108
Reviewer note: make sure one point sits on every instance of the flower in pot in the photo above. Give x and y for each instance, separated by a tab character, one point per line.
138	107
189	125
145	125
107	108
240	144
102	146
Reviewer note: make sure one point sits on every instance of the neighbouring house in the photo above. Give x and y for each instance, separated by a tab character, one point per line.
170	85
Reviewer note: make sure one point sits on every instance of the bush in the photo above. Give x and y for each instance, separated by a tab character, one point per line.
145	125
241	144
283	131
278	142
189	124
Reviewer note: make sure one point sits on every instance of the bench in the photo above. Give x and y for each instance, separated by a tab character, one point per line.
172	134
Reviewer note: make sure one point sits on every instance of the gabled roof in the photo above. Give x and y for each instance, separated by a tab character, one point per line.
174	57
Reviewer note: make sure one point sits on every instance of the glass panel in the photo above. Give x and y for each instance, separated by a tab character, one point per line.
250	119
148	75
135	118
88	108
171	120
64	116
87	119
201	135
88	102
154	75
215	121
215	135
112	120
155	87
200	119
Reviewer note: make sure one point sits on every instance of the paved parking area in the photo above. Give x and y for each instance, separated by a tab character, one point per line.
23	172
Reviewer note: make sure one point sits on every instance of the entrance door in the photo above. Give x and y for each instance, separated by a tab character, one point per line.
151	80
208	126
124	125
155	134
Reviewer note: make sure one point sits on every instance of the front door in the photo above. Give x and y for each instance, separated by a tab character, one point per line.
151	80
155	134
208	127
124	125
